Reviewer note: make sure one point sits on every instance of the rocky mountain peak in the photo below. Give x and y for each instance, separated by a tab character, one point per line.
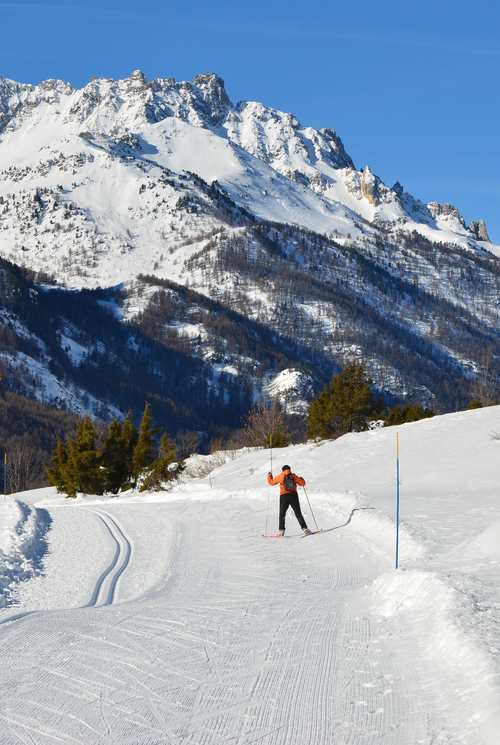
19	99
137	75
337	149
137	81
214	94
479	230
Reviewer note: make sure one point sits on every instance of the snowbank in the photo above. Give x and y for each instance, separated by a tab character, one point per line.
23	530
451	623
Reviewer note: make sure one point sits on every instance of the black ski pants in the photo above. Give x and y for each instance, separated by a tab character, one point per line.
291	499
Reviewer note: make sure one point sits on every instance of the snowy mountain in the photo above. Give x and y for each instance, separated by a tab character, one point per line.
165	616
128	183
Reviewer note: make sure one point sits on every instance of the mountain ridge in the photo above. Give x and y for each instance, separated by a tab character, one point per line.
128	179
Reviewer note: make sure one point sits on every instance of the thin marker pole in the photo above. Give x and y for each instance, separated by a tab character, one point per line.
397	500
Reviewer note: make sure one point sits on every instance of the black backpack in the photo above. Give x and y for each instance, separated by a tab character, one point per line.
289	483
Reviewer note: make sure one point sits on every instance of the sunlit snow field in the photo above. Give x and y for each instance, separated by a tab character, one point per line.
167	618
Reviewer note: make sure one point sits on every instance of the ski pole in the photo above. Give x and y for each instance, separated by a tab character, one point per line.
268	492
310	508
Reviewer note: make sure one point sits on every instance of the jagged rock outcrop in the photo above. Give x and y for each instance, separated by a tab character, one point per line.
398	189
214	94
479	230
369	186
446	210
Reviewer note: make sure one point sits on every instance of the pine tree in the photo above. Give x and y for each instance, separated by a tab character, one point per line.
55	469
81	471
160	471
410	413
344	405
474	404
144	450
114	458
168	451
130	436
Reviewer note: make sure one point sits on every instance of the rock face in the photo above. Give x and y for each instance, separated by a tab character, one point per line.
445	210
369	186
479	230
214	94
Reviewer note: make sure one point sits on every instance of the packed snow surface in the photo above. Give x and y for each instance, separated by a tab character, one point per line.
168	618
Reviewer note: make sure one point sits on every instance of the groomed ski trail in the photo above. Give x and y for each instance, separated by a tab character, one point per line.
242	641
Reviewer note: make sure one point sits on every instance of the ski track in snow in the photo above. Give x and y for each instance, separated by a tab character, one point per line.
245	641
107	584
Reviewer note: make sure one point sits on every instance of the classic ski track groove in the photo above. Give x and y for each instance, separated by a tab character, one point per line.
107	583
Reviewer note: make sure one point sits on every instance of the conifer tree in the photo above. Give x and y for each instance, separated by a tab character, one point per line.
81	471
55	469
474	404
344	405
168	451
160	471
144	450
130	436
409	413
113	458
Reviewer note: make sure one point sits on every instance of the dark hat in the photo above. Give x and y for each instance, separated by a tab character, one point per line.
286	468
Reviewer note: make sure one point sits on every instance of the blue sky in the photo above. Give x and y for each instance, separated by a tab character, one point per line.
412	88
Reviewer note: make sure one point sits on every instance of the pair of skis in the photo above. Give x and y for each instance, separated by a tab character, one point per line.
278	535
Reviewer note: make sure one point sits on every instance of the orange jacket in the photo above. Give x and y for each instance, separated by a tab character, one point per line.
280	478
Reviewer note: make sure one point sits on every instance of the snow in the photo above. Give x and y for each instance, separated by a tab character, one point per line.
292	388
191	330
23	531
44	386
113	159
76	352
165	617
112	307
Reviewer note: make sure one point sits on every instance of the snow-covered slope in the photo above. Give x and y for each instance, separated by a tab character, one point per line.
179	621
90	179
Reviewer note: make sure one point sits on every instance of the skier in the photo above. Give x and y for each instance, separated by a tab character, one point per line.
288	482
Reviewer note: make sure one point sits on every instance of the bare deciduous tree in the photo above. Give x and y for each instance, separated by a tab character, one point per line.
486	388
23	461
266	426
187	443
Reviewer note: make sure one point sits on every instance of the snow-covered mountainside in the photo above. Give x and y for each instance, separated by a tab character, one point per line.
177	622
94	180
127	179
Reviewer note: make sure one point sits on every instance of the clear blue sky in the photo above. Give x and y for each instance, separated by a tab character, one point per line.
411	87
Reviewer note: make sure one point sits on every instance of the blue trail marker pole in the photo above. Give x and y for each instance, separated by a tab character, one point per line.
397	500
